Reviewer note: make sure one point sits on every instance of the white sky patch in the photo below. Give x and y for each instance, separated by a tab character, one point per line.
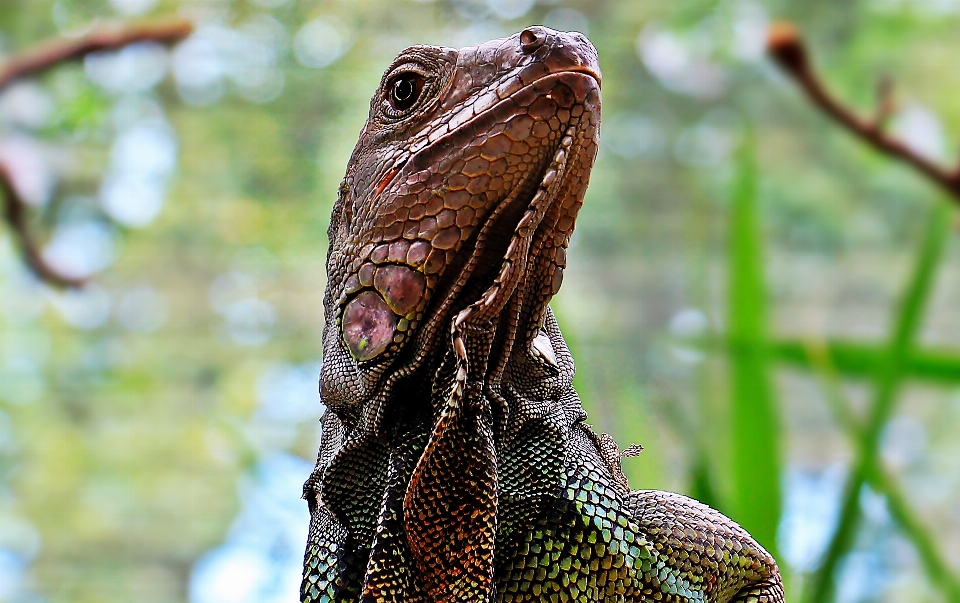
86	308
567	19
811	505
750	24
137	67
142	309
510	9
679	63
921	130
80	249
261	559
133	7
320	42
30	172
250	321
27	104
142	158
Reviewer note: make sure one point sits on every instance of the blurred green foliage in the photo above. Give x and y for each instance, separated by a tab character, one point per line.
711	293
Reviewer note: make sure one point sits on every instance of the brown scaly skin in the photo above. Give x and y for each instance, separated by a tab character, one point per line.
455	463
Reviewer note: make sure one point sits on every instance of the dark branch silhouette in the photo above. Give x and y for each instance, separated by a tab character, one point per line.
49	54
14	212
787	49
37	60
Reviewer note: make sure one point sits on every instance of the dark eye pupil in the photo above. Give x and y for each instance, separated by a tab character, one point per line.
404	91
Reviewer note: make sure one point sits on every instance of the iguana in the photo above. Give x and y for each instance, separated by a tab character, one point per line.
455	462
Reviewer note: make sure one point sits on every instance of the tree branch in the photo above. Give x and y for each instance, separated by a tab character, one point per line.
786	47
43	58
14	212
55	52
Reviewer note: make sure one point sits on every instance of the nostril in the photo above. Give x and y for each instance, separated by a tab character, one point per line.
531	39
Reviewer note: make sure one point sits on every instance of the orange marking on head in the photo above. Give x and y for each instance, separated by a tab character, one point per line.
384	181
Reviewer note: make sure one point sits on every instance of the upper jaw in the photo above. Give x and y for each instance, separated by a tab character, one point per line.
510	63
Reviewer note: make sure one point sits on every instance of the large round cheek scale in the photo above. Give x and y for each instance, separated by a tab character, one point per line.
368	325
401	287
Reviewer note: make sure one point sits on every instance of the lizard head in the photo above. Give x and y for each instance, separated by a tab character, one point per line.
457	206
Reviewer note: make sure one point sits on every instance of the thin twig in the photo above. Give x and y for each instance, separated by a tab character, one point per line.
14	212
786	47
43	58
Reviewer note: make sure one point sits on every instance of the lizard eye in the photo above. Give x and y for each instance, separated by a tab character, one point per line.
404	90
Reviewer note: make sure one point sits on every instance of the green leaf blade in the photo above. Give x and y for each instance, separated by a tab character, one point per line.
755	429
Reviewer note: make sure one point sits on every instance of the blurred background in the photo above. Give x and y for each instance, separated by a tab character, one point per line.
767	306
